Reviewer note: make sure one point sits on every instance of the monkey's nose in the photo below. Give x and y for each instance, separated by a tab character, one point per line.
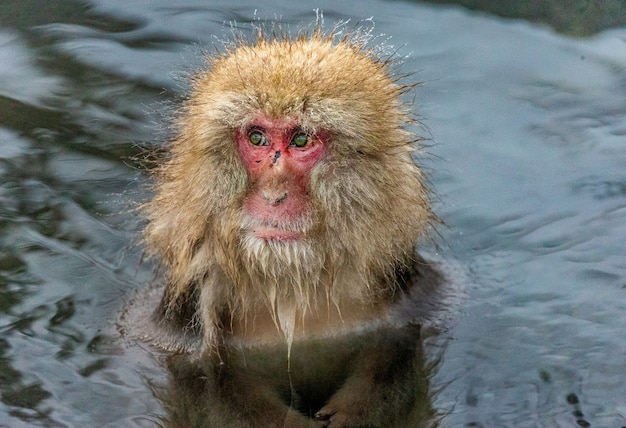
274	197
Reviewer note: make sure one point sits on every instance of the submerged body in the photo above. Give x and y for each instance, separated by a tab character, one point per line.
290	205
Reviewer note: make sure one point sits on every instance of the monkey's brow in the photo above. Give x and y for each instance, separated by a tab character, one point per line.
276	156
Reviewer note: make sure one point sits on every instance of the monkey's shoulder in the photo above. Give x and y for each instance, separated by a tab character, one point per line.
172	327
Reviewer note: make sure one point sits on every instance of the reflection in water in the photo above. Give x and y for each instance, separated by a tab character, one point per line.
377	379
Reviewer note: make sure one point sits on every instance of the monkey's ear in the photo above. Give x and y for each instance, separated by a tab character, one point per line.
175	325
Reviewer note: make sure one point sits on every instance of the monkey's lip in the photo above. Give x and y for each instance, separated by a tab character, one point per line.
272	233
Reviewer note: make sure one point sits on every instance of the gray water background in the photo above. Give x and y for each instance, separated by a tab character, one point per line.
528	144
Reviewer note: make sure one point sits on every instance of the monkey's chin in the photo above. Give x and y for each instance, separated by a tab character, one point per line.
275	234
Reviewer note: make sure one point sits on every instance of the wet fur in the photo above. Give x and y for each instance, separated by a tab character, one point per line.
369	203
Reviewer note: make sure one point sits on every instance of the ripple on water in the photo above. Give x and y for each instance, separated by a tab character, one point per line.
531	128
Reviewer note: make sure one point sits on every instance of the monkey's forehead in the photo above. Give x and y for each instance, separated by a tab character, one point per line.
315	65
324	83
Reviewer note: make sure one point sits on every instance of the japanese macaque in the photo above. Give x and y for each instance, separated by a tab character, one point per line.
288	212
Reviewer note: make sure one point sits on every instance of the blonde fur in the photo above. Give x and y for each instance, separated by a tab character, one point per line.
369	204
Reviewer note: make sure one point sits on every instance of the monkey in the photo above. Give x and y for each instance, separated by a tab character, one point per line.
287	211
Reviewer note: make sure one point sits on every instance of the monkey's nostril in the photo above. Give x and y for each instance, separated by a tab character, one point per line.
276	156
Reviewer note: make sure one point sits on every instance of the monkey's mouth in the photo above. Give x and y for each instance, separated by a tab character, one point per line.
270	231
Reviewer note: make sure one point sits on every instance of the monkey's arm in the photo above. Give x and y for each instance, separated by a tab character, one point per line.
209	394
385	384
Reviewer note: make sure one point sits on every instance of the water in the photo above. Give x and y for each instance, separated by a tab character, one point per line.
529	143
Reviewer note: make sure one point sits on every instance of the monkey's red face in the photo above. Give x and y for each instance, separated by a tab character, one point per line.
279	156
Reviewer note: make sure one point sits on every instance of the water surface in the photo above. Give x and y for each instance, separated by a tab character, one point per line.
528	132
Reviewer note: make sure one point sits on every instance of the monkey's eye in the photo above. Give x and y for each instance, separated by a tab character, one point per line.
257	138
300	140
